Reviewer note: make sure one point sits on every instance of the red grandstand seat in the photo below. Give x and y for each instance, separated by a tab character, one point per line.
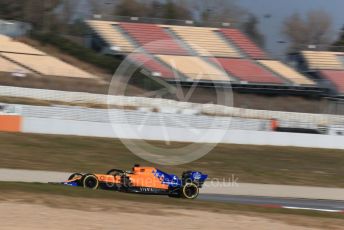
246	70
155	39
152	65
244	43
336	77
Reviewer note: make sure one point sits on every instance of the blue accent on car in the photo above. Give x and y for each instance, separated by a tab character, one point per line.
198	176
169	179
71	183
173	181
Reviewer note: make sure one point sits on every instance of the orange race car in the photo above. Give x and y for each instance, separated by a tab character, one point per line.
146	180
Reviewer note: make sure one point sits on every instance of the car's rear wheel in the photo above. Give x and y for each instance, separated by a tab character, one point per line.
74	176
90	181
190	191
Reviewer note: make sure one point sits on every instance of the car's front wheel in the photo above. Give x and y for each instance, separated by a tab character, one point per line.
90	181
190	191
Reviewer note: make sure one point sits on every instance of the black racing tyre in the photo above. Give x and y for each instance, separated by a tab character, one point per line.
189	191
90	181
74	175
115	172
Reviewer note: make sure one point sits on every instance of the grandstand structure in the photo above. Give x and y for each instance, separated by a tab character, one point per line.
182	54
17	57
205	41
244	43
326	67
224	56
213	56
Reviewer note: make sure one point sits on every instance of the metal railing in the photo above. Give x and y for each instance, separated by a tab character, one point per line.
185	22
157	104
135	117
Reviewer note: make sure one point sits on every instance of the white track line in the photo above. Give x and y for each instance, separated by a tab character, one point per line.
314	209
35	176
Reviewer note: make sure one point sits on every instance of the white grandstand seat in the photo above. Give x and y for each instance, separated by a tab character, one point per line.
110	32
205	41
17	57
7	45
286	72
10	67
47	65
323	60
194	68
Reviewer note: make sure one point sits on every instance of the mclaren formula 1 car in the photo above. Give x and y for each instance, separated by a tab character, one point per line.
145	180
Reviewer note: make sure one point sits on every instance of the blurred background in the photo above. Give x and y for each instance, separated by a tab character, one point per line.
258	84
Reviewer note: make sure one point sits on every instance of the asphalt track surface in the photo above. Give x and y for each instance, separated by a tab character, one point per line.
273	202
327	205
